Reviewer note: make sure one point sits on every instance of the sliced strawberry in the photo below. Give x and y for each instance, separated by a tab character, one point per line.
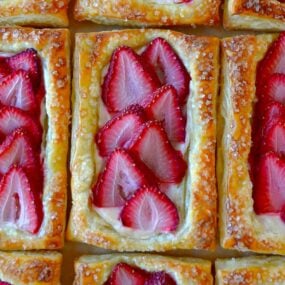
165	107
121	177
150	210
127	81
16	90
273	62
120	129
160	278
275	88
4	283
169	67
12	118
123	274
4	69
19	204
275	140
17	149
269	194
28	61
153	148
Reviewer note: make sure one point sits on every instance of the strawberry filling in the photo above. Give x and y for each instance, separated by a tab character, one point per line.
124	273
267	156
145	96
21	173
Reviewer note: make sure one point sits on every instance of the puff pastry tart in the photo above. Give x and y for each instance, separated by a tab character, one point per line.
143	142
251	164
254	14
250	271
33	268
141	269
34	108
42	13
149	12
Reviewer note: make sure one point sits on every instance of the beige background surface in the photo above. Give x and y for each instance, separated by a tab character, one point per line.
73	250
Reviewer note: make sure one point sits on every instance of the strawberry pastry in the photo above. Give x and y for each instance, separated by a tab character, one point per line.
251	153
139	269
33	145
143	164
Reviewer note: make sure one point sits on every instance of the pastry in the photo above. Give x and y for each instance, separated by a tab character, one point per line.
142	269
34	116
129	168
250	270
251	143
30	268
149	13
42	13
255	15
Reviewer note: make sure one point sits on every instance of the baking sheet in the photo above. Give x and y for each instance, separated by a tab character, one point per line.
73	250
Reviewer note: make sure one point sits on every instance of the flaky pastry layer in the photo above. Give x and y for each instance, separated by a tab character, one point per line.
240	227
254	14
148	13
250	271
52	46
198	214
42	13
30	268
185	271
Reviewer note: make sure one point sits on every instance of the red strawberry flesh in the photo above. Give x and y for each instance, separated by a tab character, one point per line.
19	204
165	107
127	81
150	210
160	278
274	60
17	149
121	177
125	274
275	88
152	146
28	61
12	118
16	90
118	131
160	55
269	194
4	283
275	140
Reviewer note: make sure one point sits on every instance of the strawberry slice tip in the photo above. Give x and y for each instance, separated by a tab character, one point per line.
160	55
12	118
150	210
152	147
19	204
123	273
119	131
160	278
269	194
127	81
121	177
16	90
165	107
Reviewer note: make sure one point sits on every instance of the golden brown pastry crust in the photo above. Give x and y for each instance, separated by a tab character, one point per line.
148	13
200	56
52	46
250	271
30	268
240	227
186	271
254	14
43	13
